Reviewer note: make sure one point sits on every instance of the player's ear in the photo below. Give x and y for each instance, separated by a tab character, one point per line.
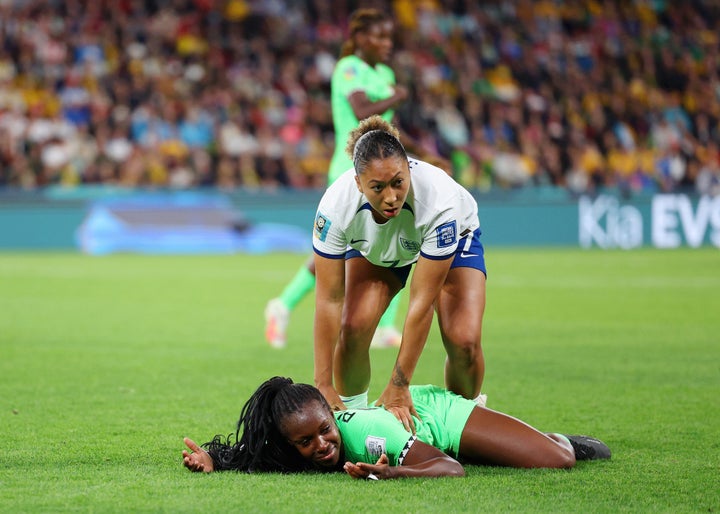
357	183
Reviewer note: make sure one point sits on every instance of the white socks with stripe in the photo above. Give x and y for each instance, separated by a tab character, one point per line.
356	401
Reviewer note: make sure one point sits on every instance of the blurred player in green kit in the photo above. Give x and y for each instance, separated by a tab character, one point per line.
362	85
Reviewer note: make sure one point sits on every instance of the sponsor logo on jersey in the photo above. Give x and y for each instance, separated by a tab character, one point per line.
410	246
375	446
322	226
446	234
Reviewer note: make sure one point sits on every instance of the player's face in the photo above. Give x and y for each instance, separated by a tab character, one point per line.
313	432
385	183
378	42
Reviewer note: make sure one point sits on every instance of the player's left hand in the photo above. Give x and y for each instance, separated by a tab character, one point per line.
362	470
397	400
199	460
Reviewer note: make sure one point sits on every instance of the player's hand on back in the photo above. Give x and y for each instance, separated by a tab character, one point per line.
397	400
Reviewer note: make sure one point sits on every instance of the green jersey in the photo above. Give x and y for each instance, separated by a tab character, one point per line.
352	74
368	433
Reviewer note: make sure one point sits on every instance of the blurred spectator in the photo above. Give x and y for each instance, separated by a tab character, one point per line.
582	94
708	177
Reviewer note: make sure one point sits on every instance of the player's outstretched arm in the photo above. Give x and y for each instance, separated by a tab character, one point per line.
422	460
199	460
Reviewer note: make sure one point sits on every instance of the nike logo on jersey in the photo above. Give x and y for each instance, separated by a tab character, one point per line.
353	241
466	255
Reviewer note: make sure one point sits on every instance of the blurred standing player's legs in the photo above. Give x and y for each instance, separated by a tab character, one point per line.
278	310
362	85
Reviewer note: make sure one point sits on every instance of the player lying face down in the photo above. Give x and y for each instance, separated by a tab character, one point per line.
287	427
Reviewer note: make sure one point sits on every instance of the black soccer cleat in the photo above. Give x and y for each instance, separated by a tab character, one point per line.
588	448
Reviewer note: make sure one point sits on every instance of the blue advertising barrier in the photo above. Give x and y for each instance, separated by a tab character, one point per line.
101	220
181	224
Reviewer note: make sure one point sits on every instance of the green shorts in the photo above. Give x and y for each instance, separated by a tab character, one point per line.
443	416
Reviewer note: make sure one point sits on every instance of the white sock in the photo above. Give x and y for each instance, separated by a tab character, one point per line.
356	401
481	400
563	437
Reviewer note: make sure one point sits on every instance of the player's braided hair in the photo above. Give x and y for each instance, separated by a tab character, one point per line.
374	138
360	22
258	444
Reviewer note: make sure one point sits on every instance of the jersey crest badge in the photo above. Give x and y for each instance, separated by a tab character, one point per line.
410	246
375	446
446	234
349	73
322	226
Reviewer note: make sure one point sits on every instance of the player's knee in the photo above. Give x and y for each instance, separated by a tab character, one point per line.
464	349
355	333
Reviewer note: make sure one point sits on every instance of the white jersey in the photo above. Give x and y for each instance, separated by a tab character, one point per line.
436	213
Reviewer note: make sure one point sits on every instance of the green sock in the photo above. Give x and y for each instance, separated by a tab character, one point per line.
388	319
302	283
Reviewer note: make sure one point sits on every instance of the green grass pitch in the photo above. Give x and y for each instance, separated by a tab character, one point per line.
107	362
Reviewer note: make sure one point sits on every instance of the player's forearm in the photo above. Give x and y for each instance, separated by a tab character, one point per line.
366	109
438	467
326	331
323	374
417	327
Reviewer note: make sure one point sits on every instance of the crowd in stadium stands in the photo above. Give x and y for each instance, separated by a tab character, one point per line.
582	94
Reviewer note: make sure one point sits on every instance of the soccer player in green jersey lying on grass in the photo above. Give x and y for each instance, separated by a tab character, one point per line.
288	427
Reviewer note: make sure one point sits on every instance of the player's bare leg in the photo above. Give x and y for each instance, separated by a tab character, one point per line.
491	437
460	308
368	290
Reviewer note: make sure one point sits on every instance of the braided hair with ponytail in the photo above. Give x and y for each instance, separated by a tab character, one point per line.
258	445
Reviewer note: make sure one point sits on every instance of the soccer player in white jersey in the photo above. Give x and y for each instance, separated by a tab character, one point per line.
377	220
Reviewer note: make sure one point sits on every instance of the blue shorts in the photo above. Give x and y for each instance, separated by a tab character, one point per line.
469	254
